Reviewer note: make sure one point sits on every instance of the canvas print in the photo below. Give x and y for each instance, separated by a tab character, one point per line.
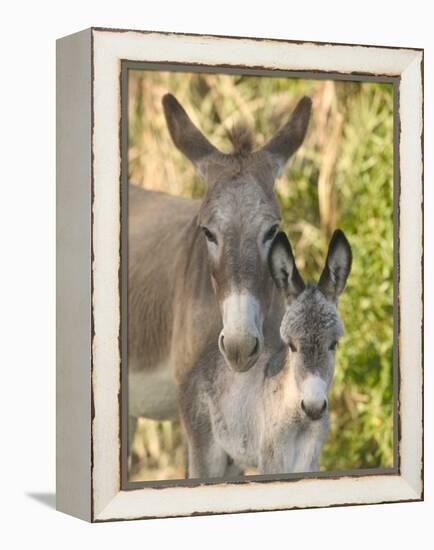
260	284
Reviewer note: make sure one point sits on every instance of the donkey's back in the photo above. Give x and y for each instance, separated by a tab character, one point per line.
158	223
146	206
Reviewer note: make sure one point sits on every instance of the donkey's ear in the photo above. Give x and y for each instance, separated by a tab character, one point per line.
337	266
283	269
289	138
187	138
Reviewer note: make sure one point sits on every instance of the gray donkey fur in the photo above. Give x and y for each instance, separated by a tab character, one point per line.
273	417
197	269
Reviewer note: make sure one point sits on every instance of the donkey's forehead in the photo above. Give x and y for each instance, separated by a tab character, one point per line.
220	168
311	317
237	200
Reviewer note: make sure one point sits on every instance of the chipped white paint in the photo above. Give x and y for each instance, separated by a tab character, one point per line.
410	291
182	501
106	303
109	49
213	50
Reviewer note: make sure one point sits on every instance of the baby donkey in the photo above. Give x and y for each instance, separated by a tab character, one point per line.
273	417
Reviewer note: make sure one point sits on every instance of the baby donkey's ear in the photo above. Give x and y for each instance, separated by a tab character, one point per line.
283	269
337	267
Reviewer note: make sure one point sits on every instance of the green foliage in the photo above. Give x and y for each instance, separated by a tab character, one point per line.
362	399
341	177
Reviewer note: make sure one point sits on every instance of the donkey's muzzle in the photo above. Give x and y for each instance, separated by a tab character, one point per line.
314	411
241	352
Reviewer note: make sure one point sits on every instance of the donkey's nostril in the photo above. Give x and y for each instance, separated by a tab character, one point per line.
255	349
312	411
240	352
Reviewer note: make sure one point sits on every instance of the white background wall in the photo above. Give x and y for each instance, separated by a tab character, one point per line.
27	134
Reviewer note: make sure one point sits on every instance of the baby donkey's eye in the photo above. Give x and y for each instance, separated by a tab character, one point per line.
333	346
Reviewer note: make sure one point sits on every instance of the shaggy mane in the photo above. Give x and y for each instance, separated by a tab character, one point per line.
241	139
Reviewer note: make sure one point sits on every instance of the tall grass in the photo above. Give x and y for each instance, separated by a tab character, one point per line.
341	177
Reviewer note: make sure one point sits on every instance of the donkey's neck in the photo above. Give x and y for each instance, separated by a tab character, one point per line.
192	275
194	328
279	382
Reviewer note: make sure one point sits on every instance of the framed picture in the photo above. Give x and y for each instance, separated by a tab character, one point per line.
239	274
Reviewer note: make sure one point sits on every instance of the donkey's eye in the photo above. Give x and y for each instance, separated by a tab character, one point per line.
209	235
292	347
333	346
271	232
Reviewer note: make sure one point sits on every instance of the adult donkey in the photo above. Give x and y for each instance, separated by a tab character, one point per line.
198	268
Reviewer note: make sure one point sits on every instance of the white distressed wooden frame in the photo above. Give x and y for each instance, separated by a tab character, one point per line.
88	262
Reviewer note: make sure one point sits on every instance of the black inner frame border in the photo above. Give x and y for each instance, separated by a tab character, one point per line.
127	65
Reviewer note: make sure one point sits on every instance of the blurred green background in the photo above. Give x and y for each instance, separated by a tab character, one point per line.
342	176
